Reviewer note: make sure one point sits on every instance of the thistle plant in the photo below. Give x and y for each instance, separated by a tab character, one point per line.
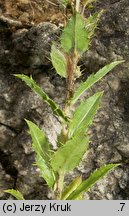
73	140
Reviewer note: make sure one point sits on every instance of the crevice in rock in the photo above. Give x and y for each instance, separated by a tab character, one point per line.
123	96
10	128
8	166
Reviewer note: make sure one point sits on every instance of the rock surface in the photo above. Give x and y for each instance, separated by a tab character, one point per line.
27	51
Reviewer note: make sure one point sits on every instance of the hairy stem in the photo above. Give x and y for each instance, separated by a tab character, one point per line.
59	186
71	76
72	61
77	5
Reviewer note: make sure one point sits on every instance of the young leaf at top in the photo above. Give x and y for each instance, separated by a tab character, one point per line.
74	35
58	61
71	187
92	79
64	3
91	23
84	114
32	84
94	177
18	195
86	2
42	149
70	154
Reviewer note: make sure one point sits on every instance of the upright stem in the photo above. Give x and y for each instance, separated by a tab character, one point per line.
77	5
59	187
72	61
83	10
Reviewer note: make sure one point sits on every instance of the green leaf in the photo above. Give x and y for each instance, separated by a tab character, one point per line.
46	171
58	61
84	114
78	72
32	84
64	2
91	23
40	142
86	2
74	35
94	177
70	154
92	79
71	187
42	149
18	195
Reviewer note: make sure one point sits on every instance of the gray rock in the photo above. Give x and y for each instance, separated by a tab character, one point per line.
34	44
